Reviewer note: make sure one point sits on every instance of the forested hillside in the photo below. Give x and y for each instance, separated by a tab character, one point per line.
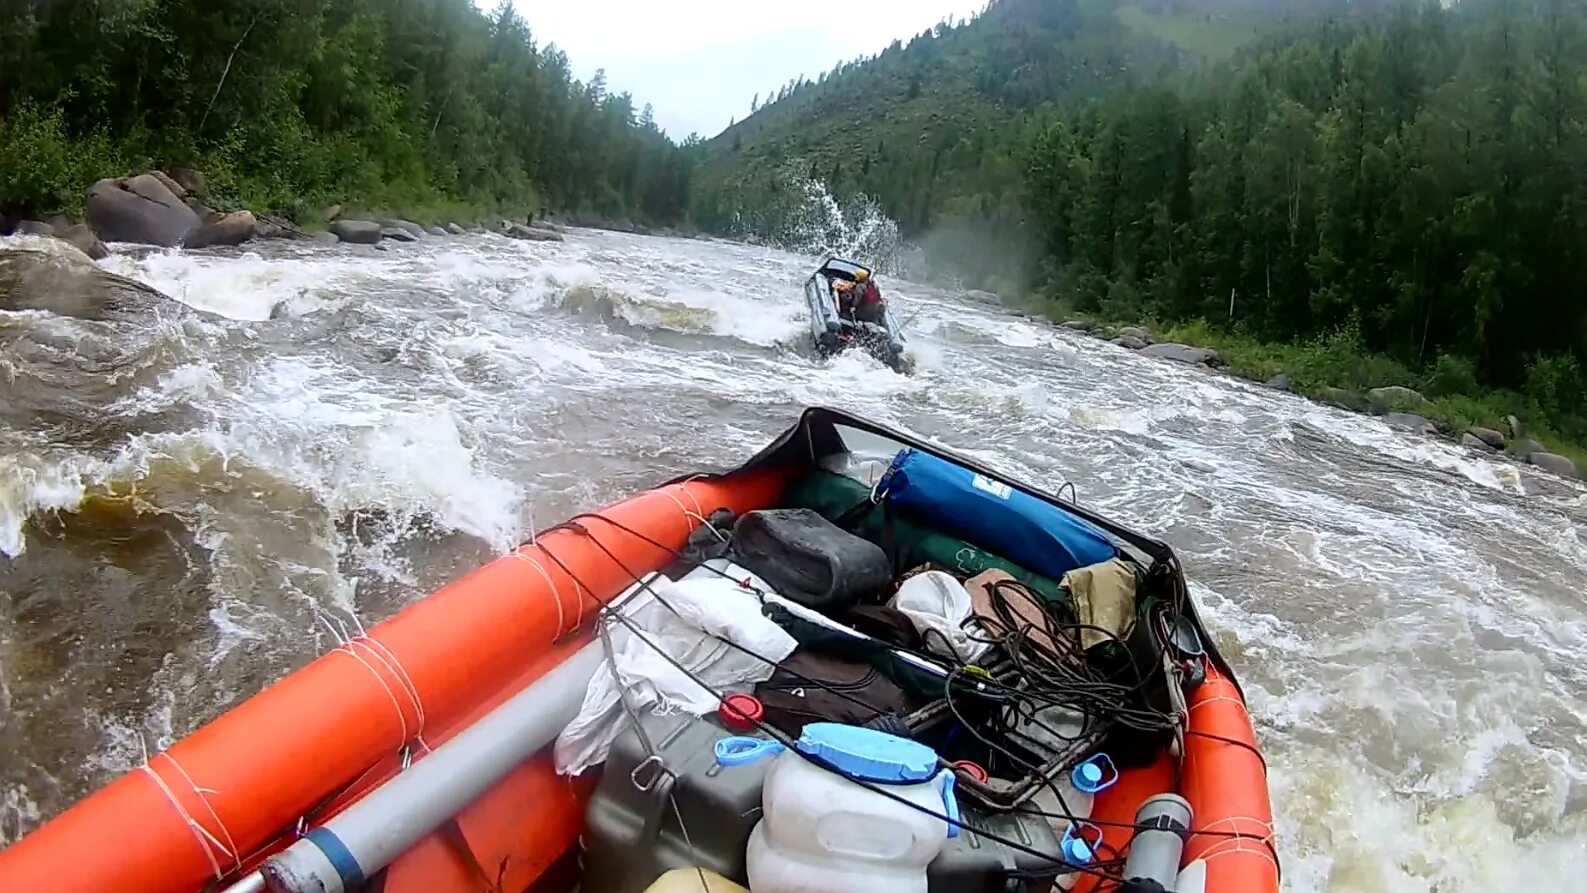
292	104
1418	181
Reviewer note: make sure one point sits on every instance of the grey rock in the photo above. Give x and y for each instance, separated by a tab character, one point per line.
139	209
227	229
397	234
1281	382
1555	463
1078	325
455	229
1395	398
532	234
1136	332
331	213
1183	353
64	281
435	231
1526	446
189	179
1406	421
325	237
1517	430
408	226
1474	442
1129	342
982	295
33	228
79	236
1342	398
177	189
359	232
1489	437
204	212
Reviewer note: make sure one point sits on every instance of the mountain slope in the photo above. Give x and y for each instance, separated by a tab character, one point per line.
927	126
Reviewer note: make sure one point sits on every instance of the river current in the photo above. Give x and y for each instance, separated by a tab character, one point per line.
343	429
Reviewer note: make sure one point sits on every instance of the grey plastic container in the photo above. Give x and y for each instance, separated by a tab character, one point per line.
971	863
631	834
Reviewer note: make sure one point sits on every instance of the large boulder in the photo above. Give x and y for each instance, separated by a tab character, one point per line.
532	234
1514	426
177	189
62	280
435	230
1555	463
325	237
79	236
1489	437
397	233
33	228
1128	342
139	209
456	230
1474	442
1342	398
1183	353
331	213
189	179
1077	325
407	226
1396	399
1406	421
1136	332
359	232
225	229
1525	447
1281	382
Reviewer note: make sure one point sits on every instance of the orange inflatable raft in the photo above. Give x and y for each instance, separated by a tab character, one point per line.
205	814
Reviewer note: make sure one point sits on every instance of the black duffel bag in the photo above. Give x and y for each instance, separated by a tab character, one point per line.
810	560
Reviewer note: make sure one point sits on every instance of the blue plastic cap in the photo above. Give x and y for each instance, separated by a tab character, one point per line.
1091	772
1095	774
867	754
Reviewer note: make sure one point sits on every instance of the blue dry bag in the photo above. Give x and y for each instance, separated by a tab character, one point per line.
992	515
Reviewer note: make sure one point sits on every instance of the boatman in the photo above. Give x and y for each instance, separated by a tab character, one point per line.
864	301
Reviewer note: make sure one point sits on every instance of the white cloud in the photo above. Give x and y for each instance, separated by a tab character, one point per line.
699	62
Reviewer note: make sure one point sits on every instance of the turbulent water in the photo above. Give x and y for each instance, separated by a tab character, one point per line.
191	502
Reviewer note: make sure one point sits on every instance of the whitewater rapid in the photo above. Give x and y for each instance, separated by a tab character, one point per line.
343	429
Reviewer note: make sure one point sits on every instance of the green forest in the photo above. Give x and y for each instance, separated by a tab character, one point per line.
429	107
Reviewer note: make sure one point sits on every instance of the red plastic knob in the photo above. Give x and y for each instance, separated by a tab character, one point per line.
741	713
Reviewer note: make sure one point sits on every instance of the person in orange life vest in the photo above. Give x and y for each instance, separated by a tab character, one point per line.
862	300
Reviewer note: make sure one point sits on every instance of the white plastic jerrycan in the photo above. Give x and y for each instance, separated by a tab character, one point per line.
822	831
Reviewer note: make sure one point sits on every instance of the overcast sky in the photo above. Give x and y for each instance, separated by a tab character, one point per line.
700	62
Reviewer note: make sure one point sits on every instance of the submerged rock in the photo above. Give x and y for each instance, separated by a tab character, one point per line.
66	282
1396	398
1183	353
359	232
79	236
1406	421
1489	437
1555	463
139	209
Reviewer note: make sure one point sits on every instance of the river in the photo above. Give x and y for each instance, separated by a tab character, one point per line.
347	428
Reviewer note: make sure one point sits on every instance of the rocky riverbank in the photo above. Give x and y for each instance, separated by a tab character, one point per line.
1400	407
174	209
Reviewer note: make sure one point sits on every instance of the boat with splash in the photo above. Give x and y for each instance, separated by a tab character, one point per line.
415	757
834	333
